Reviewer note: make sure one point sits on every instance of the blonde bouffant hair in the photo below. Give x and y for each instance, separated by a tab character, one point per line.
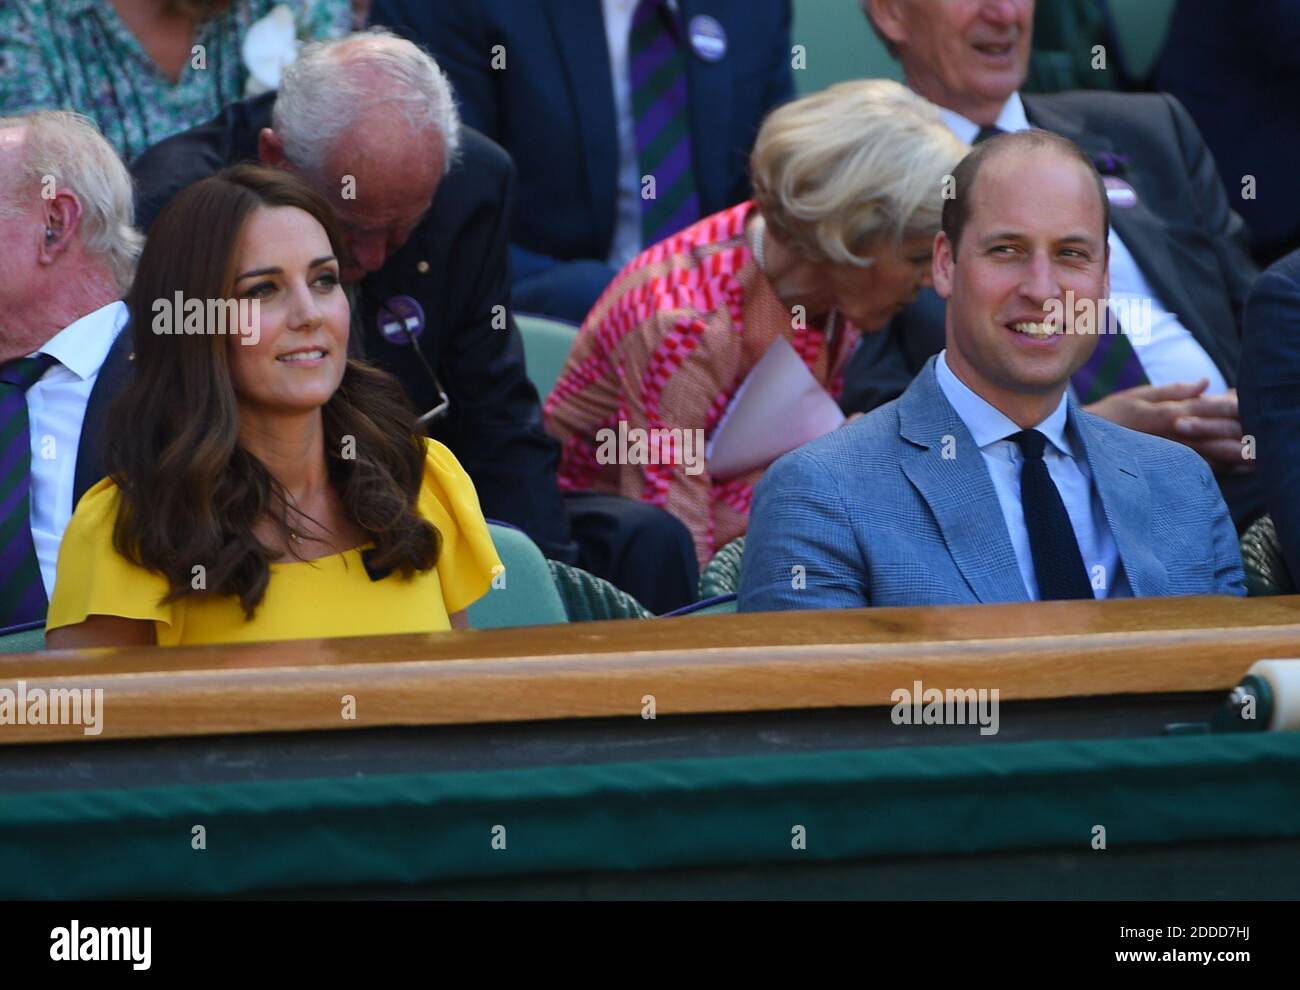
847	168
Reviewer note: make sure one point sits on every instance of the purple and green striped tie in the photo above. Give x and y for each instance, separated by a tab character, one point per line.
22	593
657	61
1113	367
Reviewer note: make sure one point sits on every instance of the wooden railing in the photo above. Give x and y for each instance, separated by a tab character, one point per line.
721	663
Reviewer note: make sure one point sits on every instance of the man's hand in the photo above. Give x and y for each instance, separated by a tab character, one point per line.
1209	424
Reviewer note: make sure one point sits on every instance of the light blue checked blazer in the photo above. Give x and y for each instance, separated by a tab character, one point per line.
874	514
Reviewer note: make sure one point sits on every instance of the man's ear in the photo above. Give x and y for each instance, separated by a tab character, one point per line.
887	16
270	149
62	218
941	265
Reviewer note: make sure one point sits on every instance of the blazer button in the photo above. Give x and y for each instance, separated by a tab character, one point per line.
422	268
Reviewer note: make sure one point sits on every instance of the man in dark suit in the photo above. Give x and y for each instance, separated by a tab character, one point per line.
1236	67
558	84
65	260
424	208
1270	396
1178	251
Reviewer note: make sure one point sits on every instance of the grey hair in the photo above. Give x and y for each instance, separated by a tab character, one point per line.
67	149
320	95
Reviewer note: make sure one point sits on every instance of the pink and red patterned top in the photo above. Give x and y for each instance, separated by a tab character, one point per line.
666	346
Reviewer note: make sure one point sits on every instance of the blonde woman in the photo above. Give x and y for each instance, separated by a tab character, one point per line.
848	192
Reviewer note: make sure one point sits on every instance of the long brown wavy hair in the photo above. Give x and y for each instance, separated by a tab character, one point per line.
190	494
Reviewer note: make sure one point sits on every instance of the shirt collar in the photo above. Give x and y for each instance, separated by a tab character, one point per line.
1011	119
83	345
988	424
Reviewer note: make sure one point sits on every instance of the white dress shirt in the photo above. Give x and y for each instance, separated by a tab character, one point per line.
56	406
1168	353
1070	473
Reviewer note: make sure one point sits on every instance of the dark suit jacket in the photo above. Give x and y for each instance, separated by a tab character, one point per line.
113	376
1270	396
552	107
1236	67
495	424
1182	233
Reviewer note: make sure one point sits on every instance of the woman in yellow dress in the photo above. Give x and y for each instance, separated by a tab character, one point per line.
261	485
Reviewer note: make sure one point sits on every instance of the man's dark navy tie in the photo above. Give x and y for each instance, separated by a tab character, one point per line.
987	132
22	593
1058	565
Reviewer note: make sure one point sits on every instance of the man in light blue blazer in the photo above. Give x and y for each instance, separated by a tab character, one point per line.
985	481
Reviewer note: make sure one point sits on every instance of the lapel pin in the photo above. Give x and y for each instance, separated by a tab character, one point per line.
1119	192
708	39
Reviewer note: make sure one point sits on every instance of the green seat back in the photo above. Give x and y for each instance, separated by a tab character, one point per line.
524	594
722	574
546	348
838	44
28	641
588	598
1262	560
725	607
1142	26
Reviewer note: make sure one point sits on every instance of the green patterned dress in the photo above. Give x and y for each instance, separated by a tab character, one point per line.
79	55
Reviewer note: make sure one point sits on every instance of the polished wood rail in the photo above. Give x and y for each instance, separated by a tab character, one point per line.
721	663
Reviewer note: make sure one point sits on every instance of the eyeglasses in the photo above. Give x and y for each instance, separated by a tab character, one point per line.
400	320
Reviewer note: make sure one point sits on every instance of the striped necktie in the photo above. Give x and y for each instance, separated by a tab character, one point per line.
1113	366
22	593
657	64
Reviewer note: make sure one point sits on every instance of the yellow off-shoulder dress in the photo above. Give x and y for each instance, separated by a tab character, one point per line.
330	596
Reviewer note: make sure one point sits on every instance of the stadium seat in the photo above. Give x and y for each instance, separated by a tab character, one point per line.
546	347
1141	27
1262	559
838	44
525	594
722	574
719	605
588	598
23	640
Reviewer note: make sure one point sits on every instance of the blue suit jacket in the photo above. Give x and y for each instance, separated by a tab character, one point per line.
877	515
552	106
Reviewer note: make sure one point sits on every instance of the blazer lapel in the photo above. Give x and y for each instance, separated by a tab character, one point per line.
1126	501
578	27
112	378
958	490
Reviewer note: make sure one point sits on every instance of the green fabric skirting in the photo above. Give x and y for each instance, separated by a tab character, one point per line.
422	828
